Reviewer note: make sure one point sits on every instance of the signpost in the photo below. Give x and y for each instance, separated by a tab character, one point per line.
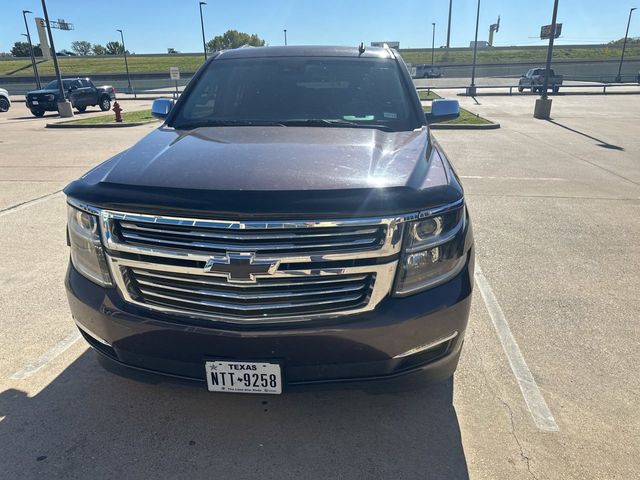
174	74
542	109
547	30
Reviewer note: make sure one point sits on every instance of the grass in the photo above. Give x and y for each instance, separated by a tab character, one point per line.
519	54
428	95
127	117
104	64
189	63
465	118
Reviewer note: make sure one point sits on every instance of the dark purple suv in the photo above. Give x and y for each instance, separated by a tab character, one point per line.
291	222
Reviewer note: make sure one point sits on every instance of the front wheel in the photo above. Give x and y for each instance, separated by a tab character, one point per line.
82	109
556	89
521	89
37	112
4	104
105	104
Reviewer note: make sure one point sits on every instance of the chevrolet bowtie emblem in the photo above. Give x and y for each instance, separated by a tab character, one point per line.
241	267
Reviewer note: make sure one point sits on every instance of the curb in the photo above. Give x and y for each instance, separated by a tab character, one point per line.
97	125
444	126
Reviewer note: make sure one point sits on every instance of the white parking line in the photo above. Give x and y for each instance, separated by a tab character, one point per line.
28	203
47	357
532	396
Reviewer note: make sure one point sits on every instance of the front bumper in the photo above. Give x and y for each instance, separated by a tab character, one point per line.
361	347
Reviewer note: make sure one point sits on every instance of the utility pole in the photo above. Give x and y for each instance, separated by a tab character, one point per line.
64	106
204	43
624	47
433	43
543	104
285	37
33	58
449	27
471	90
126	64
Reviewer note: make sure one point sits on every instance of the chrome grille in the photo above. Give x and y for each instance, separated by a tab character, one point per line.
216	240
273	297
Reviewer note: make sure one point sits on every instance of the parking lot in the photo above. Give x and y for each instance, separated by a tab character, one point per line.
556	211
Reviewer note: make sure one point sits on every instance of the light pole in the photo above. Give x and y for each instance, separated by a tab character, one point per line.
471	91
204	43
33	58
285	37
64	106
126	64
433	43
624	47
449	27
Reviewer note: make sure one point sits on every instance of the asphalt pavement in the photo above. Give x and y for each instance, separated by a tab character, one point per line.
556	211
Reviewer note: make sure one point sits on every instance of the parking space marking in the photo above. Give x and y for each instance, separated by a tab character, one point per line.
28	203
47	357
538	407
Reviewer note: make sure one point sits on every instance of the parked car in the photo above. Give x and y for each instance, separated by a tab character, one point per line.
534	79
5	102
81	92
427	71
292	222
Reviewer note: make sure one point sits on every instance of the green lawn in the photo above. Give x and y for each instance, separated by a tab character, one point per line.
430	95
127	117
104	64
189	63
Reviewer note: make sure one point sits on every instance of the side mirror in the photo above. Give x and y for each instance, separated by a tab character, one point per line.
443	110
161	107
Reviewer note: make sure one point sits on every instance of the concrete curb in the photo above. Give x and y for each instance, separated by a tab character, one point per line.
484	126
97	125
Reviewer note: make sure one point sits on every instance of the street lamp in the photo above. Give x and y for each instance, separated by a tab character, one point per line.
204	43
624	46
64	106
285	37
471	91
433	43
449	27
33	58
126	64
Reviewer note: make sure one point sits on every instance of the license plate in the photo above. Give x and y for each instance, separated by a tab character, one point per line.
244	377
34	102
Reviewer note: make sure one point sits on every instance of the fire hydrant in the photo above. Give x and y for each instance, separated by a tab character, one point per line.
117	109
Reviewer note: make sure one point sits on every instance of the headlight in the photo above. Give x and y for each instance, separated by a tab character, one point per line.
87	254
433	252
49	98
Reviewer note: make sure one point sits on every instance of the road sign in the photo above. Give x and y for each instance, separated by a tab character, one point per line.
546	30
174	73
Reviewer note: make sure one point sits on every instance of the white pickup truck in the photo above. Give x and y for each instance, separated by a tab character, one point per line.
5	103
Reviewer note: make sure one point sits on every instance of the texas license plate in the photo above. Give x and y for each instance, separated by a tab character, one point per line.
34	102
244	377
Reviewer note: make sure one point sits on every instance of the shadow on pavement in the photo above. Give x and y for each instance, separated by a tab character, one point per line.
89	423
601	143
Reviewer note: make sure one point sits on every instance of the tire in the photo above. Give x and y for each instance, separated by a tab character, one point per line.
556	89
82	109
4	104
521	89
37	113
105	103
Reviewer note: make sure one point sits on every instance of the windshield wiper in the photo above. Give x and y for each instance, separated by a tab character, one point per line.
227	123
333	122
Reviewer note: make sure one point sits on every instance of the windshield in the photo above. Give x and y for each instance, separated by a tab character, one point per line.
300	91
54	84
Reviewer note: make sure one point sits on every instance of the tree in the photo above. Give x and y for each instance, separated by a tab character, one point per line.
98	49
233	39
21	49
81	47
114	48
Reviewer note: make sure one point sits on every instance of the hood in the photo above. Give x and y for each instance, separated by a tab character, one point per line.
43	91
271	158
251	169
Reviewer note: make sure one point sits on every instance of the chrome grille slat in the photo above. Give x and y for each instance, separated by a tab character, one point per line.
248	235
219	282
238	247
250	296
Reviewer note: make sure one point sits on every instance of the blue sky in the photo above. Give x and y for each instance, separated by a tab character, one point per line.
153	25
